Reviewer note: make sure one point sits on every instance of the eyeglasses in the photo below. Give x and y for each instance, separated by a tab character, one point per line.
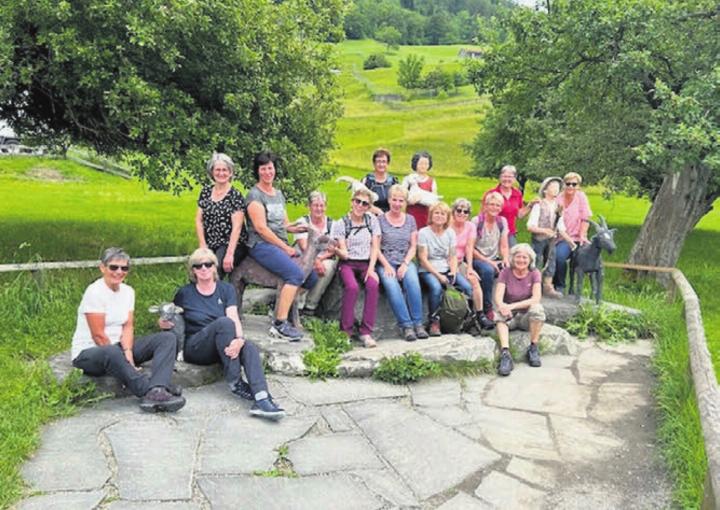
572	184
462	211
115	267
206	265
363	203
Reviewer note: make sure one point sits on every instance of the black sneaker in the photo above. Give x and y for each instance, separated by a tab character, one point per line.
159	399
266	408
242	389
483	321
506	362
420	332
533	356
409	334
285	329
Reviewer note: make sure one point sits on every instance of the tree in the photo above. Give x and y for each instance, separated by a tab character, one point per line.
410	71
388	35
162	85
623	91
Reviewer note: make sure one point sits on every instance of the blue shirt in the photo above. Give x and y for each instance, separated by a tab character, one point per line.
201	310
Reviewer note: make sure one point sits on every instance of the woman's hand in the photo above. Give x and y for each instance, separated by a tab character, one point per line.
319	267
371	274
401	270
499	264
130	358
505	310
443	279
290	251
165	324
389	271
471	274
232	351
227	263
584	240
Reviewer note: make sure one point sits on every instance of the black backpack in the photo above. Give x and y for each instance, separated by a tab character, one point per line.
354	229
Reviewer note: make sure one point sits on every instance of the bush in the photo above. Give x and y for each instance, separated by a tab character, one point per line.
330	343
609	325
375	61
409	72
438	80
407	368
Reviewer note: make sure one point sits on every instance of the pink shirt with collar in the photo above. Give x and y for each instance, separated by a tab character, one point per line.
575	213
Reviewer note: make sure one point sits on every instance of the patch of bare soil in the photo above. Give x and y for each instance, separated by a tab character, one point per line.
48	175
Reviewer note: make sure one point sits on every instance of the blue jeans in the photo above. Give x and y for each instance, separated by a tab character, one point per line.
279	263
436	289
562	255
404	295
486	271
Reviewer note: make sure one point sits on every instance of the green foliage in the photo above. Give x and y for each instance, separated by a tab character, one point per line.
409	367
461	369
330	343
391	36
609	325
282	467
409	72
375	61
438	80
161	86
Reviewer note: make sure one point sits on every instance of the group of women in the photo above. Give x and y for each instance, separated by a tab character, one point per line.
390	243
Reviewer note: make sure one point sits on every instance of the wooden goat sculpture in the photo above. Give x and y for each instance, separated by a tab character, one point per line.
250	272
587	260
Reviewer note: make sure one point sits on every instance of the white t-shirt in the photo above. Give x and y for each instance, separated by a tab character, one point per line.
439	248
99	298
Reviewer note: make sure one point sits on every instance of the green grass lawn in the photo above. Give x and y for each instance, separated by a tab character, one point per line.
58	210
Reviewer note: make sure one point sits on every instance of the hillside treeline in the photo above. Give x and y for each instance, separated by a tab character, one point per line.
420	21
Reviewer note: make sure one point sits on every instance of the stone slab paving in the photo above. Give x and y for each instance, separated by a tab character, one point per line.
578	432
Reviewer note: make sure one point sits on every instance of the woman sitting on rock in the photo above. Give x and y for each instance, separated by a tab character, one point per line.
220	215
268	227
439	264
214	333
358	245
326	262
104	342
397	271
517	300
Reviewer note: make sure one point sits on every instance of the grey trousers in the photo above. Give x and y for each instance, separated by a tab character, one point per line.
544	256
110	359
207	347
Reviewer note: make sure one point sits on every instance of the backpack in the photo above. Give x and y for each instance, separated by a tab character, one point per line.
328	224
481	224
454	311
381	189
350	228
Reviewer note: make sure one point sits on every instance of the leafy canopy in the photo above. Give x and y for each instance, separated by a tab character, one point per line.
621	90
164	83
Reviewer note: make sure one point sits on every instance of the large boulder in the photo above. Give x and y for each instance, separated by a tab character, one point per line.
553	340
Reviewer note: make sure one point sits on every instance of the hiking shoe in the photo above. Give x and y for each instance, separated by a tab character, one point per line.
506	362
435	328
368	341
286	330
483	321
409	334
242	389
159	399
266	408
533	356
420	332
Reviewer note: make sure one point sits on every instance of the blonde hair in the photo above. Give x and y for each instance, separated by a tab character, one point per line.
572	175
198	256
494	195
398	189
442	206
528	251
364	192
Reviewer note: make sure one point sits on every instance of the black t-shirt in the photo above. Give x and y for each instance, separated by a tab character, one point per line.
201	310
381	188
217	216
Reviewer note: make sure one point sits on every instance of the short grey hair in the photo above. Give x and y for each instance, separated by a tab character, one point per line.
508	169
113	253
524	247
224	158
316	195
201	255
460	201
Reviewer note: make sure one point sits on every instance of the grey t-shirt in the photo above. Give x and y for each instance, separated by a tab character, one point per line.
359	240
396	240
439	248
274	214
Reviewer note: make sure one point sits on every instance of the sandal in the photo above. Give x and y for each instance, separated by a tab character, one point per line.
368	341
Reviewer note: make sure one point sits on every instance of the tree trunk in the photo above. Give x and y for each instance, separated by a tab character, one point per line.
683	199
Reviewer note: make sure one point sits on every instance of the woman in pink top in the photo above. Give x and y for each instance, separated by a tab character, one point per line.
513	206
576	212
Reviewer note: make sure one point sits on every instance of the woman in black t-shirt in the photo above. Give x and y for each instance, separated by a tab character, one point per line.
220	215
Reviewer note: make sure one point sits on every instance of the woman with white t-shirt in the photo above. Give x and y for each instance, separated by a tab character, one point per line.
104	342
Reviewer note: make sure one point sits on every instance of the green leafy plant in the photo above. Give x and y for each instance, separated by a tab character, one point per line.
282	467
609	325
330	343
409	367
375	61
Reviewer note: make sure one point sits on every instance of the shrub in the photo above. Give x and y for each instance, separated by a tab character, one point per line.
609	325
410	71
407	368
376	60
322	361
438	80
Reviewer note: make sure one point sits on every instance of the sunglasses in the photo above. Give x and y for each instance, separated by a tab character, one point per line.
363	203
572	184
462	211
206	265
115	267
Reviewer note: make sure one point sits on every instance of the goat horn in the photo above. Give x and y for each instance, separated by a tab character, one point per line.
603	222
595	225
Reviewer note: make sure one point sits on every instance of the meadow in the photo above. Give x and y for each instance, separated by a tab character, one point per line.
53	209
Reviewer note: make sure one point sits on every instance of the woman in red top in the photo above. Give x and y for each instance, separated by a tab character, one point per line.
513	206
421	164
